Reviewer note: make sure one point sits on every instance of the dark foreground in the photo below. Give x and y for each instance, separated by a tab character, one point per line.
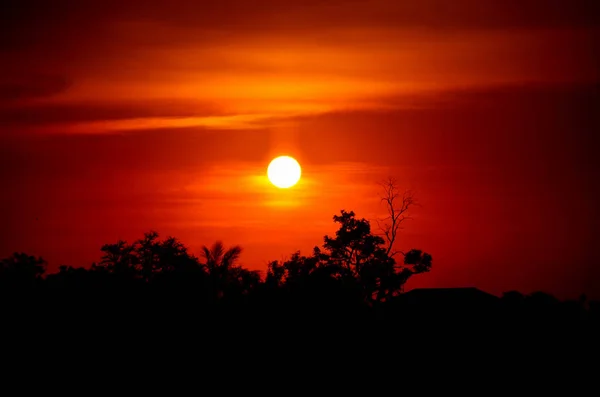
297	345
448	318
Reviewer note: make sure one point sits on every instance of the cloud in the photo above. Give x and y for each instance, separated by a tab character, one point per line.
235	122
240	14
56	115
171	116
123	66
17	88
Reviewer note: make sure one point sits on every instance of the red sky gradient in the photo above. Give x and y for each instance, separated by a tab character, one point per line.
120	118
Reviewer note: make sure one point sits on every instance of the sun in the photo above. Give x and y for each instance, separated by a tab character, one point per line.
284	172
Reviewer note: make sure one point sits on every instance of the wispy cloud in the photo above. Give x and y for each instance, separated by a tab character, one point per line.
239	121
271	60
16	87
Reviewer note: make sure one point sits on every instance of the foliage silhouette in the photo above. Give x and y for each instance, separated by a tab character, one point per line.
21	271
352	284
226	277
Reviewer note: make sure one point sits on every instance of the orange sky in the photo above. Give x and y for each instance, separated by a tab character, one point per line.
115	119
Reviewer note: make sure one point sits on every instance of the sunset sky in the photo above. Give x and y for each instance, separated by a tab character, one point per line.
118	117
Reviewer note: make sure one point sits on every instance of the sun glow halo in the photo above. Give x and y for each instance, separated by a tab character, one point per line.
284	172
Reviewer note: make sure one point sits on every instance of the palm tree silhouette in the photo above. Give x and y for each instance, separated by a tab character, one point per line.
217	258
220	264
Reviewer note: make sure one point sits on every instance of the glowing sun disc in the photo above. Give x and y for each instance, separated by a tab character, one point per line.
284	172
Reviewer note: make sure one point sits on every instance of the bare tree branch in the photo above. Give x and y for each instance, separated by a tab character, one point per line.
398	206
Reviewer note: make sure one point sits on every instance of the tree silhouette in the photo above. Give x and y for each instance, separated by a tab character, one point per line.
417	261
218	260
242	281
21	270
353	245
355	258
300	272
276	273
160	258
120	259
68	276
397	208
225	276
363	257
148	258
358	256
147	249
353	276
